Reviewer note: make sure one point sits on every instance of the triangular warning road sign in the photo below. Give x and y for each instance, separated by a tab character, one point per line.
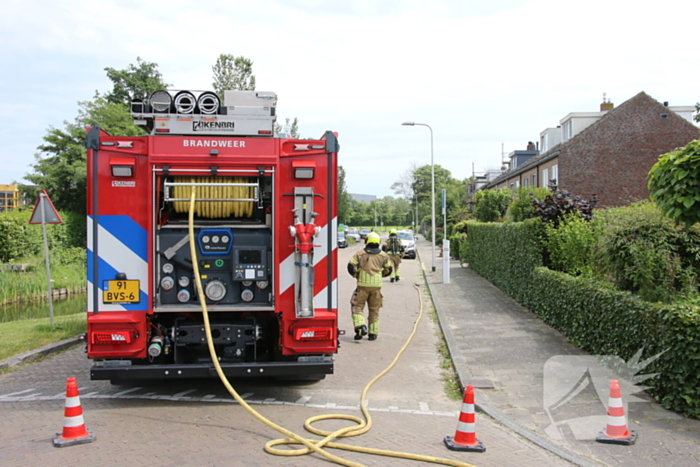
50	214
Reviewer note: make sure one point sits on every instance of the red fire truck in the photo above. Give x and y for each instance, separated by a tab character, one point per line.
265	226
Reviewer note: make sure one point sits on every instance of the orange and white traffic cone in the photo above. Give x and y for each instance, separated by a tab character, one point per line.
616	430
74	431
465	437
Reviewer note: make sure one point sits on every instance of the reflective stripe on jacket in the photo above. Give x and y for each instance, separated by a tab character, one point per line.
370	267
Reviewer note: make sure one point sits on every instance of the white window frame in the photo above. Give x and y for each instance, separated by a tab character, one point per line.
545	178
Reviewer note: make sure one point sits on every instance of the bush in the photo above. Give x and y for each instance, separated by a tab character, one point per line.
602	320
74	256
641	251
673	183
522	207
593	315
19	239
458	243
505	254
560	203
569	246
491	205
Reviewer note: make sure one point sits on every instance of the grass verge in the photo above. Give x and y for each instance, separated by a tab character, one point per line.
450	380
21	336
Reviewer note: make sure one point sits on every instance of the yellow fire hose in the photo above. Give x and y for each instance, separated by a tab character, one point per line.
317	446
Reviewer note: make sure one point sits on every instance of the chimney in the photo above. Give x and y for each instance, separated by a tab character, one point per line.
531	146
606	104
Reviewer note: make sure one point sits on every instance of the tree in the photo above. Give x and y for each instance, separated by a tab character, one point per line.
134	81
344	198
404	185
673	184
491	205
60	166
233	73
422	185
290	128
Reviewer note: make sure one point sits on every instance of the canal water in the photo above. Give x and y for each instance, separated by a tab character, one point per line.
69	306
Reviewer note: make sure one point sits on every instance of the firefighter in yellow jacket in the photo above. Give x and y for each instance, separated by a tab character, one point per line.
394	248
368	266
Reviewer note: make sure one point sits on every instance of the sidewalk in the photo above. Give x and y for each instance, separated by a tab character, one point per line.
504	351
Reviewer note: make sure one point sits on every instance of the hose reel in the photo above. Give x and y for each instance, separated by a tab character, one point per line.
217	197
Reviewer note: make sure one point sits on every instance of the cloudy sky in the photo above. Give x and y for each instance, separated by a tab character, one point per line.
487	76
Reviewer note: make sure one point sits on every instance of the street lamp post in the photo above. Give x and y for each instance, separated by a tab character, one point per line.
381	220
432	183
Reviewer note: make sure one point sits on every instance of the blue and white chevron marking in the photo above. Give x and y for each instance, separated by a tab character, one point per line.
122	247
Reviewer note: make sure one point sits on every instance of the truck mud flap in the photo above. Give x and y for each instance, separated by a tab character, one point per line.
163	372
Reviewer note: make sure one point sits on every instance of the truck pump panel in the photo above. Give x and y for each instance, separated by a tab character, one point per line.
265	223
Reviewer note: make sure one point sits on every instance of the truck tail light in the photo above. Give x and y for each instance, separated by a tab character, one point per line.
313	334
112	337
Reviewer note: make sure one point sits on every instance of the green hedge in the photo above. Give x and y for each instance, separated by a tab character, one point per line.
19	239
593	316
606	321
505	253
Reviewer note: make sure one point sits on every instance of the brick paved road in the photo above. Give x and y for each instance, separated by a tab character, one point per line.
195	423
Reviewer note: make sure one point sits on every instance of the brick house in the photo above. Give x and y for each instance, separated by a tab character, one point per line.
608	153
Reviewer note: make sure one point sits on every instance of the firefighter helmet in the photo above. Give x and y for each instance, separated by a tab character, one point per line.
373	238
392	232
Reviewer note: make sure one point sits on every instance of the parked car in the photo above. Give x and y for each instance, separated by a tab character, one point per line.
364	232
408	242
342	241
353	234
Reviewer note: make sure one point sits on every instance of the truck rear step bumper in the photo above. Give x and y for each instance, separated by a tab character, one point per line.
207	370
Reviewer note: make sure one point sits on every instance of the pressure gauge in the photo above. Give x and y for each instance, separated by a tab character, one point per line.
215	239
247	283
215	290
184	281
225	239
168	268
205	238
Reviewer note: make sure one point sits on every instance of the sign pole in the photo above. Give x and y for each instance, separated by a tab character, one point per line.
45	213
46	256
445	241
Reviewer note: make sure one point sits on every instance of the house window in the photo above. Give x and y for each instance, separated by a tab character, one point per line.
555	173
545	177
533	183
568	130
525	181
517	184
